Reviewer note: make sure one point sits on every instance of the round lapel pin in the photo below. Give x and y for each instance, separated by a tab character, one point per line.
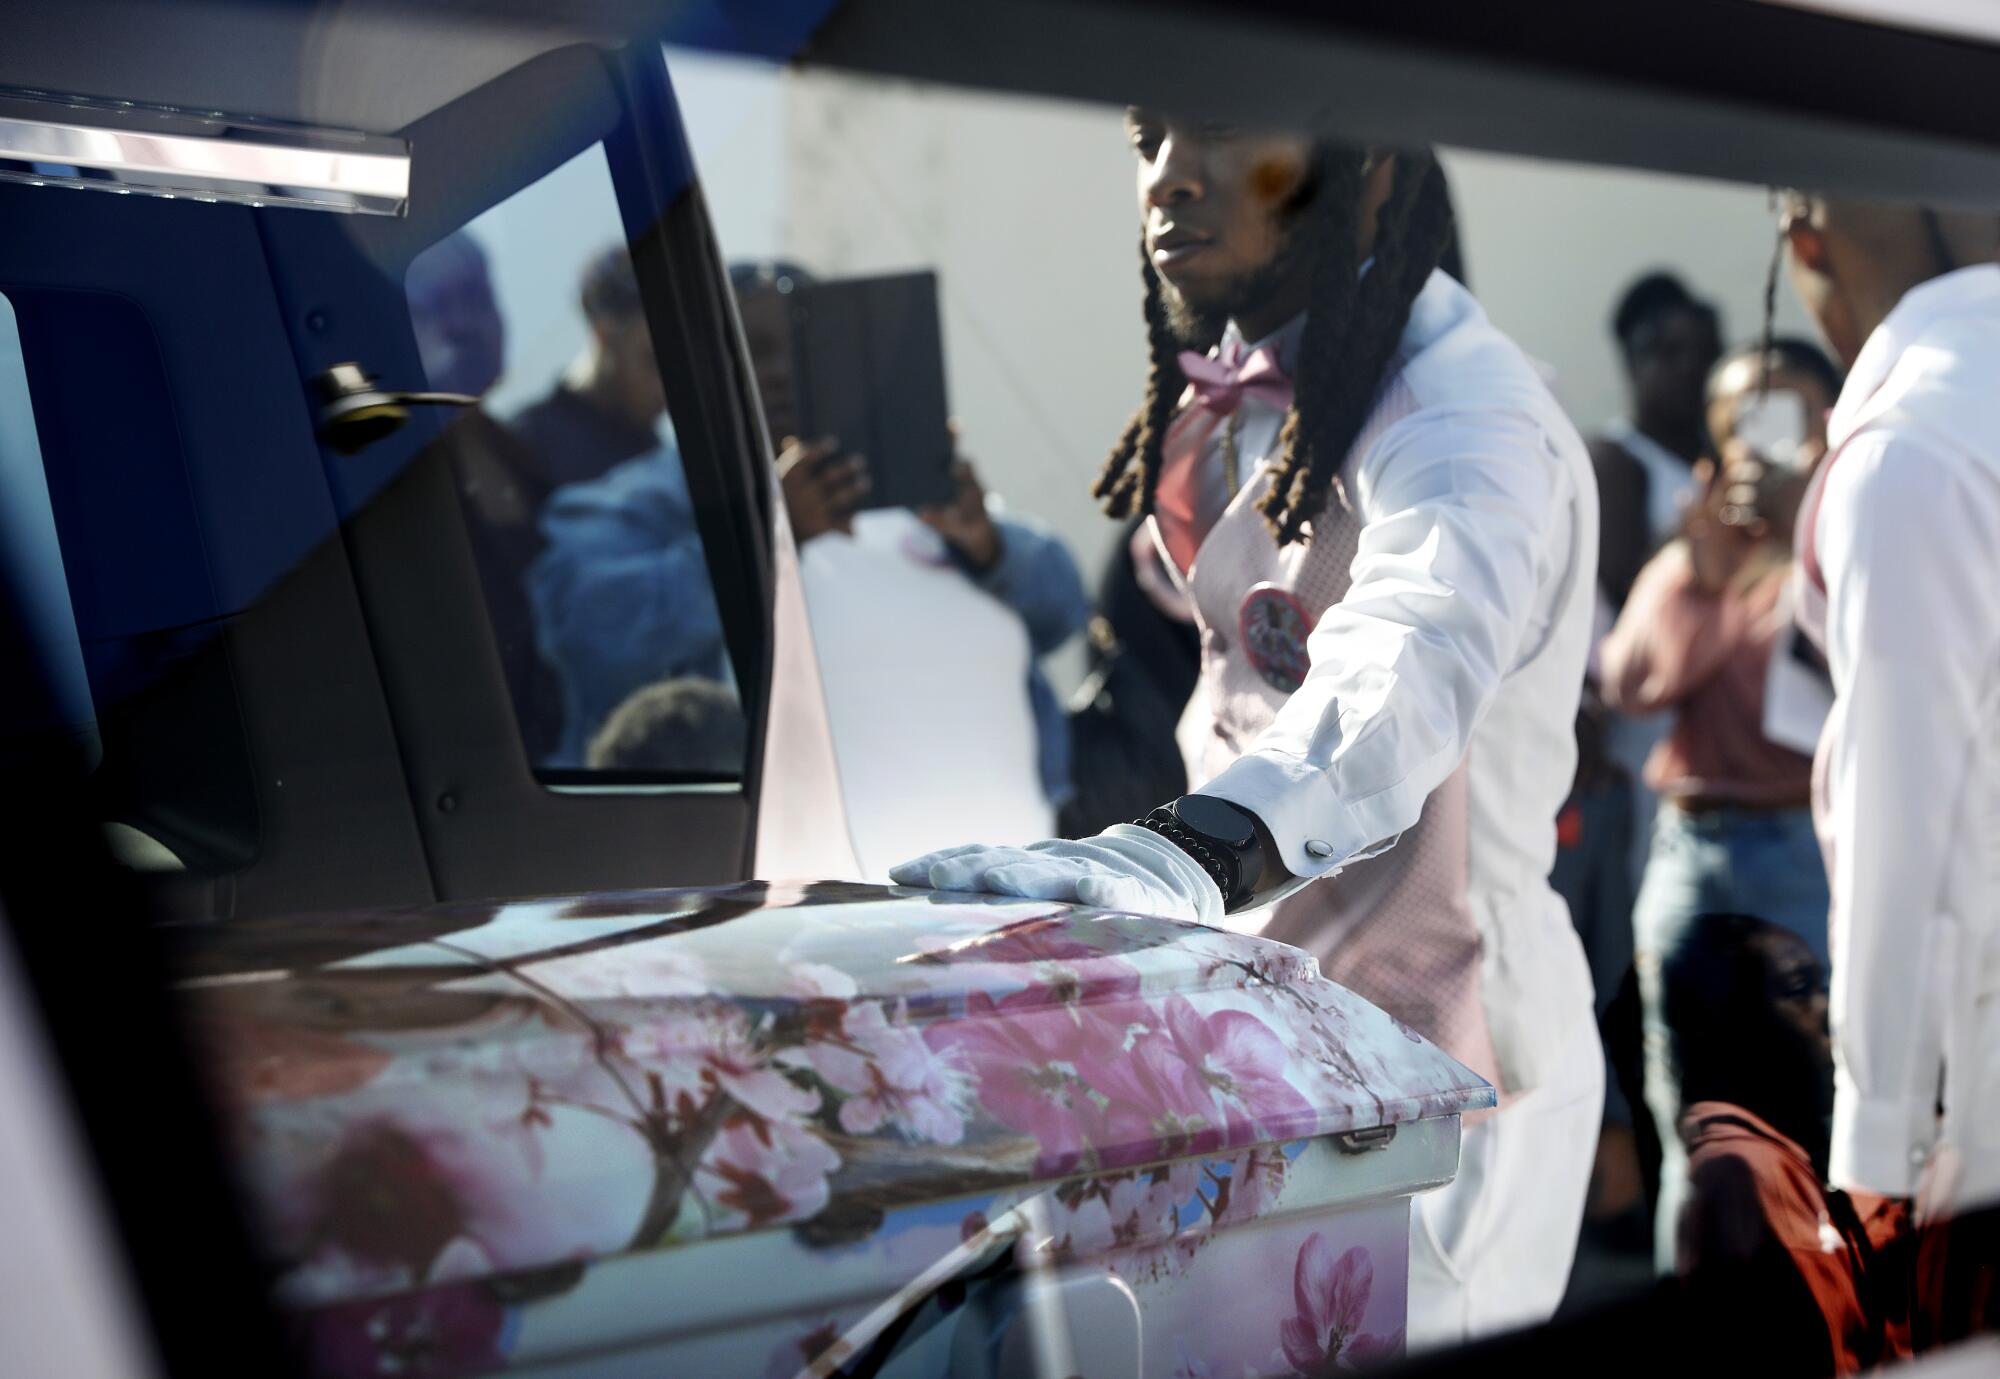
1273	626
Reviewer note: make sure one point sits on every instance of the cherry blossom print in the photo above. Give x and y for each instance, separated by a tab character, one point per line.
893	1076
477	1179
1047	962
1047	939
1256	1180
658	967
410	1117
267	1059
760	1173
699	1053
1330	1298
438	1333
1043	1072
817	981
1118	1212
1229	1066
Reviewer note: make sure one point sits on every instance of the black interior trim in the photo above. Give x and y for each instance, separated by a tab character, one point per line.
691	311
1733	89
97	970
489	826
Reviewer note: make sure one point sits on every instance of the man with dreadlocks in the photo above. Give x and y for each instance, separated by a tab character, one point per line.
1387	531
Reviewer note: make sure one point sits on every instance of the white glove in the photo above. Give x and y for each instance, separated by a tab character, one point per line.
1123	868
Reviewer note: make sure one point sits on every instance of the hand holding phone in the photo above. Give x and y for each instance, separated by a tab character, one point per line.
1773	425
965	522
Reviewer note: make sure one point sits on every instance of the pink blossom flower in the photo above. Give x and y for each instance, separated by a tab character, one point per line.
1331	1298
1177	1185
1058	967
1118	1213
1051	1075
1045	939
759	1172
891	1075
1075	986
1255	1181
469	1180
1370	1351
1227	1067
700	1052
818	981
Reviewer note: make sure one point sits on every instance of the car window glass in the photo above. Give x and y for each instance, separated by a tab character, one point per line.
28	541
573	490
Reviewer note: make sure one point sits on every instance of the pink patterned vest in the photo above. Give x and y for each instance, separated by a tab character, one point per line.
1395	928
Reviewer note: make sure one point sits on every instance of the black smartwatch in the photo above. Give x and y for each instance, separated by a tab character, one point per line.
1226	840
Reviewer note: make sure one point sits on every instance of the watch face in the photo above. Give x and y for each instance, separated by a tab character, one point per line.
1218	819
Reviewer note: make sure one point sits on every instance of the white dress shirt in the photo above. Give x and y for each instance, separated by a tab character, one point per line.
1669	478
1464	632
1469	610
1907	535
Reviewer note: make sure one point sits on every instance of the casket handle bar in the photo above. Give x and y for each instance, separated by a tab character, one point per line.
1362	1141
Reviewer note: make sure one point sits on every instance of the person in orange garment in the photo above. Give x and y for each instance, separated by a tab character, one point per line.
1748	1007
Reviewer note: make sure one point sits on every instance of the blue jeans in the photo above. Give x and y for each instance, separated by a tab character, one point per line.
1763	863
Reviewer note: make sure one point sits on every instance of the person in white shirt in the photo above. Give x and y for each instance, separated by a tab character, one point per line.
1387	532
1899	564
1668	340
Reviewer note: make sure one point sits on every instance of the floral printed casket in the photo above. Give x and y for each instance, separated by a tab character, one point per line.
817	1130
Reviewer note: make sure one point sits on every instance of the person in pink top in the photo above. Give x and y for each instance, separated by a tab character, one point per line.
1734	833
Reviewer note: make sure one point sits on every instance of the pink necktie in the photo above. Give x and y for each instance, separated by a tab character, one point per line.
1218	387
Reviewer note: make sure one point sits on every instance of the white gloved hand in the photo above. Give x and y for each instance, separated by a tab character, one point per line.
1123	868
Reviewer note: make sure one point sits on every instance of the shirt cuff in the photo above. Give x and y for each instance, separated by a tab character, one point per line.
1315	831
1879	1145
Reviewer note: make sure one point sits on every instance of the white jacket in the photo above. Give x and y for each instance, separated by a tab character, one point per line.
1907	792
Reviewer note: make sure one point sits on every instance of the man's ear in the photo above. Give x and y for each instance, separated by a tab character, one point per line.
1807	243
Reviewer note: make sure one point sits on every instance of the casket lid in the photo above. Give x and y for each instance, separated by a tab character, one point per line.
461	1090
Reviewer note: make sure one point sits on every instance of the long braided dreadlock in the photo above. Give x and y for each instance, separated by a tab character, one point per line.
1353	325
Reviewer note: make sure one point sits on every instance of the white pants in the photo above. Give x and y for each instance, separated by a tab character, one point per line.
1492	1251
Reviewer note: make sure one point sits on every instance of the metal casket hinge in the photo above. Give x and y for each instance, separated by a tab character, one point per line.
1362	1141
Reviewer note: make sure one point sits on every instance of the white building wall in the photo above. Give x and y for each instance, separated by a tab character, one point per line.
1025	208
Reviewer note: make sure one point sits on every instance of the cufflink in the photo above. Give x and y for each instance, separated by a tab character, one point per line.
1315	848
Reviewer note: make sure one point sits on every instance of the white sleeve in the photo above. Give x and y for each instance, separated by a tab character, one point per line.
1912	630
1459	512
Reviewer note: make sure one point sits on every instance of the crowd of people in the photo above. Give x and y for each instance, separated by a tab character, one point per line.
1723	676
596	579
1685	806
1653	775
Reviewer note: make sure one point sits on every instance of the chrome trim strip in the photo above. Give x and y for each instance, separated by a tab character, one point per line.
204	156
